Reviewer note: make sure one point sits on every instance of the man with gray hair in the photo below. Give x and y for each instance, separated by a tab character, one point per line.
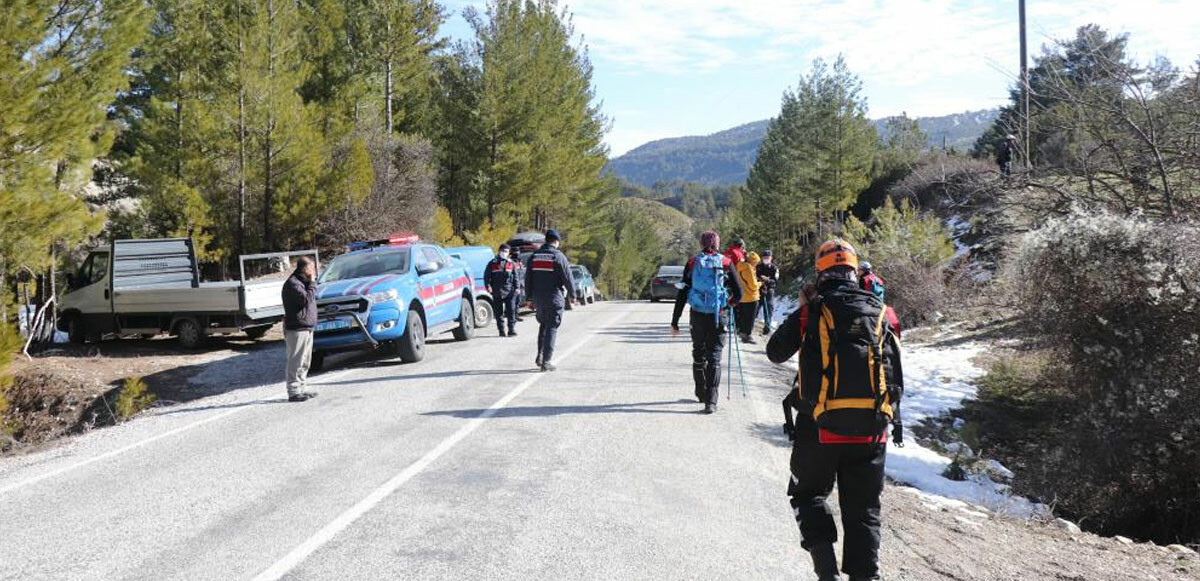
299	319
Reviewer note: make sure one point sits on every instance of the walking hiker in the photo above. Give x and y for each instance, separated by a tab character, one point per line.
747	307
550	284
849	388
736	252
768	275
873	283
299	317
1006	153
501	282
522	268
709	287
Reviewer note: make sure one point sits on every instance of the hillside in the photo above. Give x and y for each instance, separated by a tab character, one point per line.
725	157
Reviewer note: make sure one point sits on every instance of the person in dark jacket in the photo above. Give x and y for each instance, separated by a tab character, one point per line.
820	457
501	282
707	329
299	318
768	275
1006	154
548	281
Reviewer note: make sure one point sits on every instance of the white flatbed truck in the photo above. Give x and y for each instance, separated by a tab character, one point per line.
151	287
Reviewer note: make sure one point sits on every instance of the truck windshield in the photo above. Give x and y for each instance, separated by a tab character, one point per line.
365	264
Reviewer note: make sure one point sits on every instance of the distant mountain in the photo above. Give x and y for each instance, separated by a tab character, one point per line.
724	158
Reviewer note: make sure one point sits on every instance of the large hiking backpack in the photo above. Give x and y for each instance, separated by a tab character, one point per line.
843	363
708	293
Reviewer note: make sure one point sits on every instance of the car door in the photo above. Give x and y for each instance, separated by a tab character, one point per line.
92	295
433	283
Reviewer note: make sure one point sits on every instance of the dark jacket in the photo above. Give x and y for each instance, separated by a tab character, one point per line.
735	291
299	303
770	275
548	276
501	277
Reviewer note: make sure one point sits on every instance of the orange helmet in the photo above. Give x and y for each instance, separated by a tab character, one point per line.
836	252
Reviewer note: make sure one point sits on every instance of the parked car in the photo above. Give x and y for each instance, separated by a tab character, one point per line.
143	288
526	242
477	259
663	284
585	285
391	294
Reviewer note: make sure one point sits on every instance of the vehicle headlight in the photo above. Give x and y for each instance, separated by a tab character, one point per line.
383	297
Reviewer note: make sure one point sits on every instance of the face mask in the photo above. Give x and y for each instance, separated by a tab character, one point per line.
504	255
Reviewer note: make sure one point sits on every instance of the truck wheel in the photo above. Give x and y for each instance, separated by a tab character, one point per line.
76	333
466	322
411	346
189	334
317	363
257	332
592	298
483	313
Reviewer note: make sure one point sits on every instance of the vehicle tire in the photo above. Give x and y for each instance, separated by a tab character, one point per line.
654	299
592	298
411	346
484	314
466	321
76	333
257	332
189	334
317	363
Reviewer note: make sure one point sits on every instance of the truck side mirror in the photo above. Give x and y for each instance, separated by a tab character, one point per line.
427	268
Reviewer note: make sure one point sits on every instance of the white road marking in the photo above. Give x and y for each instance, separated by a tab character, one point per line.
328	532
112	453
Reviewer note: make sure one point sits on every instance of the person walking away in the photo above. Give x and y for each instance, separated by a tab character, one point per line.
522	268
768	276
736	251
747	307
840	436
299	318
710	288
873	283
550	284
1006	153
501	282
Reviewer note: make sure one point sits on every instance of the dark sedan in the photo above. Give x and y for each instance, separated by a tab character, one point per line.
663	285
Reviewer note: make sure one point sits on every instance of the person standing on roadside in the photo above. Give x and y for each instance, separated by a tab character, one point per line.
501	282
550	284
768	275
299	318
747	308
709	286
849	387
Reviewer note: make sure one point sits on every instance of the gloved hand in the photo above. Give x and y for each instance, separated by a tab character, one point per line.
790	432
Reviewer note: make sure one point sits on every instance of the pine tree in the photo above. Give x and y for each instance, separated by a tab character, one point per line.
62	63
392	42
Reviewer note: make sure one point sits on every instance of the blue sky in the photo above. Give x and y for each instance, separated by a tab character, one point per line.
665	68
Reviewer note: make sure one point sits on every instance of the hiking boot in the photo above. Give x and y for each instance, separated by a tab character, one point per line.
871	578
547	366
538	361
825	562
766	331
502	333
302	396
710	408
749	340
512	333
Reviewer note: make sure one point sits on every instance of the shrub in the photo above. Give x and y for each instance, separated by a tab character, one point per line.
911	251
133	398
10	342
1117	297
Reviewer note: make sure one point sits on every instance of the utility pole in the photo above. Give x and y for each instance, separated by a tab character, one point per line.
1024	91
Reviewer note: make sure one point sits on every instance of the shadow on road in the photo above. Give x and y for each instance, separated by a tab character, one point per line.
646	333
225	406
566	410
440	374
770	433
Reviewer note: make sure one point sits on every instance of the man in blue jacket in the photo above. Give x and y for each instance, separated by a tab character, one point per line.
501	282
548	281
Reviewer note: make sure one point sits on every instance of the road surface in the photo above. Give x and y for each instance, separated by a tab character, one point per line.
468	465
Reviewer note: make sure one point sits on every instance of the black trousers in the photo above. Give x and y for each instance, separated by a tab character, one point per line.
858	471
549	317
746	313
506	310
708	341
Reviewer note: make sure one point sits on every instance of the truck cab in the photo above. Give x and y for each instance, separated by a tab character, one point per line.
391	294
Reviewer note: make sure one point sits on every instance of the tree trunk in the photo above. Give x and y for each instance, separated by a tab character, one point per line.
268	177
241	129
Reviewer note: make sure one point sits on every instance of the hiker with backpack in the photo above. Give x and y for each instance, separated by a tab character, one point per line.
768	275
747	307
849	387
709	286
873	283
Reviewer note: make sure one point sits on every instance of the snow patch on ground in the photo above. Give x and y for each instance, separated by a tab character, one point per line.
937	380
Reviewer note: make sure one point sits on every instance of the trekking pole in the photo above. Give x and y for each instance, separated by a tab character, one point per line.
741	371
729	362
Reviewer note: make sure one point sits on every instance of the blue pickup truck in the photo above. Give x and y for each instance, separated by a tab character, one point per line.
477	259
391	294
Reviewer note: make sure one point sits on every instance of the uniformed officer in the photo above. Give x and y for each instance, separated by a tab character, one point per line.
548	282
501	282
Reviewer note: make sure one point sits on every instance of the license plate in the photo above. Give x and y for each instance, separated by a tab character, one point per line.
333	325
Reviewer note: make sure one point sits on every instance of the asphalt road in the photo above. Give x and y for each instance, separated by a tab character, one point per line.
468	465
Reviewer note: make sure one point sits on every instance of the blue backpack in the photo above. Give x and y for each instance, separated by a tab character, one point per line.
708	293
